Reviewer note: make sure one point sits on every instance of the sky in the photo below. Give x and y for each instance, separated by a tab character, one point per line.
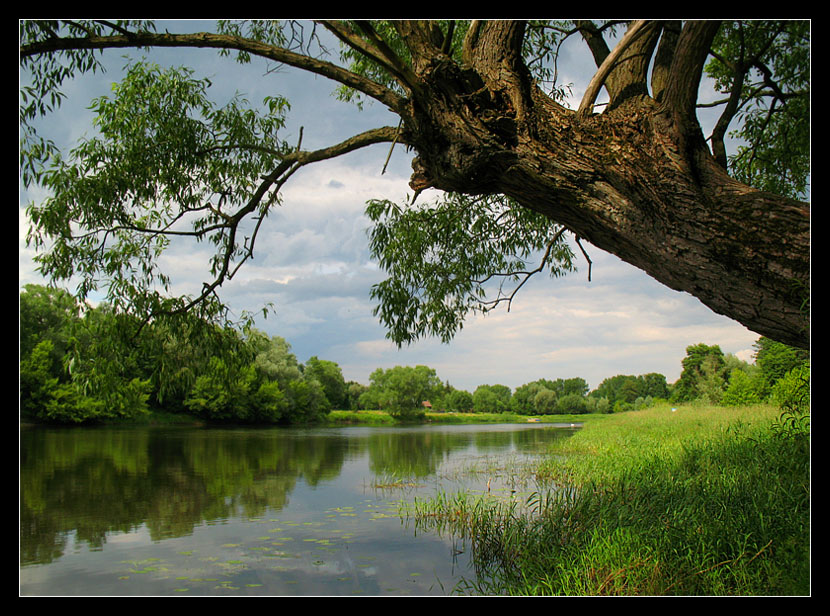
312	258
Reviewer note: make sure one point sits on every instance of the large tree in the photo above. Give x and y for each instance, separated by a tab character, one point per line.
480	106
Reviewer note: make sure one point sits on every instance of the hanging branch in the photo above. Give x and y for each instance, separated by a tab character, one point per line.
275	180
392	147
527	275
585	254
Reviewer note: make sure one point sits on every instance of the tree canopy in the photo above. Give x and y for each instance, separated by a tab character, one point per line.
72	370
402	390
480	104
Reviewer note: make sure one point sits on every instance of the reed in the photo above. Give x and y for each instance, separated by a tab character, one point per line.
700	501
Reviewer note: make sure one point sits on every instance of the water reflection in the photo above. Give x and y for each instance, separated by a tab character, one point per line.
90	486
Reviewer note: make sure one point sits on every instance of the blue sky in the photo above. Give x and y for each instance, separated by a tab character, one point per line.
312	260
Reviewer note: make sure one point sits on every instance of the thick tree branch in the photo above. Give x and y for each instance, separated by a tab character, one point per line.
423	38
221	41
594	39
471	41
663	58
374	47
497	58
498	44
610	62
627	76
690	55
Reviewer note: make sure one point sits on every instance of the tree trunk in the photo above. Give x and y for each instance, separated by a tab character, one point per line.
637	180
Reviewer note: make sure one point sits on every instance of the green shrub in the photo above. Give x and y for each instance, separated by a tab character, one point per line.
742	389
792	392
571	404
45	398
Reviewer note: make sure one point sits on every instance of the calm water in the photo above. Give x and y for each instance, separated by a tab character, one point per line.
161	511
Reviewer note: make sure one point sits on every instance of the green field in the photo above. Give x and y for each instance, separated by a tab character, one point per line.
383	417
693	501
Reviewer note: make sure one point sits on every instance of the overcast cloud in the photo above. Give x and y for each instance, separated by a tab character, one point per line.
312	262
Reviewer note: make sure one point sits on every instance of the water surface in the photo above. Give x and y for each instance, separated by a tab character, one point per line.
242	511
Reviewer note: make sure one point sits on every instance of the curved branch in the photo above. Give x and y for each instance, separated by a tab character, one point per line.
725	118
287	167
690	55
374	47
221	41
527	275
661	70
593	38
471	40
385	134
608	64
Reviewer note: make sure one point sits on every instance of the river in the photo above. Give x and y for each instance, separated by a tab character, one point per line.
241	511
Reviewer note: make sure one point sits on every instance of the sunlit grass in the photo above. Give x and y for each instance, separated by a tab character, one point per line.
695	501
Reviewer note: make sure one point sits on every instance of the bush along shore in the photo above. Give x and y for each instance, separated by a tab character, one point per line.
691	500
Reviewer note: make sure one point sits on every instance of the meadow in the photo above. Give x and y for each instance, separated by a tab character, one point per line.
693	500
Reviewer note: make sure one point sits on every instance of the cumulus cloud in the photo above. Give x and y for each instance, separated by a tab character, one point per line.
568	328
312	262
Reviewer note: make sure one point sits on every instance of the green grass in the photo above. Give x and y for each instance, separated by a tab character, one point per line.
701	501
368	418
376	418
384	418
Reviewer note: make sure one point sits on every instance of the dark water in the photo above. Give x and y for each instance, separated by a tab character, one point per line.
164	511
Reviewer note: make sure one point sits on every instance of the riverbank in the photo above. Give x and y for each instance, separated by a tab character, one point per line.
374	418
696	501
381	418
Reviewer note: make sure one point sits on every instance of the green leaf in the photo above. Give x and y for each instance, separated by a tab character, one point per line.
773	118
443	258
165	160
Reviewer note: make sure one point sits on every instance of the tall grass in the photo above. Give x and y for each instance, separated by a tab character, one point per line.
365	418
701	501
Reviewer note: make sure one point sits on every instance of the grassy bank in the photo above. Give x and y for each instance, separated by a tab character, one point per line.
701	501
374	418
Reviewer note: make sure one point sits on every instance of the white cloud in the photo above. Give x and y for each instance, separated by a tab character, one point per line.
567	327
312	261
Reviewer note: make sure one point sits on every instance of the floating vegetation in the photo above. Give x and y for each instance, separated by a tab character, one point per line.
395	482
148	565
274	527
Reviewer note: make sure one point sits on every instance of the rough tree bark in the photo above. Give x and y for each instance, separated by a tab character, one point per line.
636	180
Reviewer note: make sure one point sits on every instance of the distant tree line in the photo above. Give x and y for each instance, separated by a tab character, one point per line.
70	373
780	374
